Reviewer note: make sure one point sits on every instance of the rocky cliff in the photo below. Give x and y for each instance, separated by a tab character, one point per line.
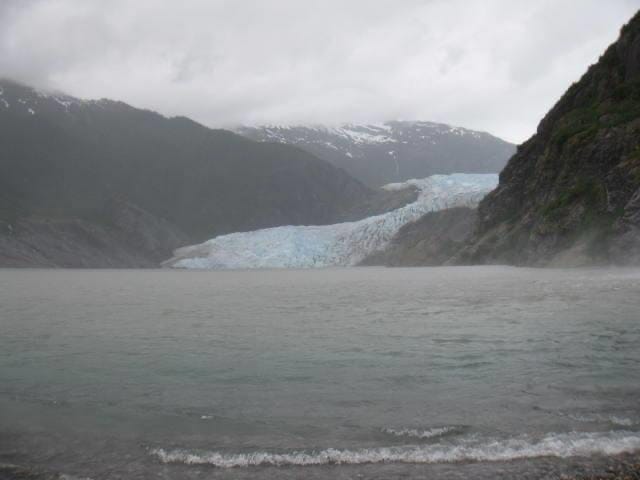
571	193
125	237
431	240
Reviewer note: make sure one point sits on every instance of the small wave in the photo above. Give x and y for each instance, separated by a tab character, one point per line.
614	419
553	445
625	422
421	434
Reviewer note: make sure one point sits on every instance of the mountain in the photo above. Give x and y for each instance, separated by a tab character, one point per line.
342	244
72	171
571	193
378	154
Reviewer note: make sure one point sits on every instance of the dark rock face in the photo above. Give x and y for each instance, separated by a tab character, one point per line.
570	194
127	237
432	240
394	151
64	161
625	247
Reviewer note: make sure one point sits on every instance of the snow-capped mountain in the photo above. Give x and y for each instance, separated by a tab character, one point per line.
377	154
21	100
342	244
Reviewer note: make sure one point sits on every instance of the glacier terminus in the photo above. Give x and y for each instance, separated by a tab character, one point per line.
341	244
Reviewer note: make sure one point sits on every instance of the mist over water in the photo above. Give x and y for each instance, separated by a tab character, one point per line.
481	372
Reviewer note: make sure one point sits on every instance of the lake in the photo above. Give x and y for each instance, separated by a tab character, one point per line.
460	372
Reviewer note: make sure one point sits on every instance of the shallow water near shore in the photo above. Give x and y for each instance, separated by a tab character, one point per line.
469	372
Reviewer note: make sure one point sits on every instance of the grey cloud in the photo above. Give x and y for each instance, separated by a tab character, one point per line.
494	65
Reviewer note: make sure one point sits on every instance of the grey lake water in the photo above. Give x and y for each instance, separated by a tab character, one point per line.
479	372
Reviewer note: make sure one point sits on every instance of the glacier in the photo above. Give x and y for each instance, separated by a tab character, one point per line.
341	244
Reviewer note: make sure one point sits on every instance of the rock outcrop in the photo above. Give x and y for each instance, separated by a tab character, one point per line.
127	237
570	196
431	240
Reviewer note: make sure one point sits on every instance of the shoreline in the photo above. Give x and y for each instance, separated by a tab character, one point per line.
625	466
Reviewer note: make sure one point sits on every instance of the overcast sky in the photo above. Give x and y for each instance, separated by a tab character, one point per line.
493	65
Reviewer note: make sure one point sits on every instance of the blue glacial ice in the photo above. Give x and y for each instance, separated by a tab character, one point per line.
341	244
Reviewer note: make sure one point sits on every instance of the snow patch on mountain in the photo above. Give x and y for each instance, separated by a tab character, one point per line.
29	100
363	134
394	151
342	244
357	133
351	133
